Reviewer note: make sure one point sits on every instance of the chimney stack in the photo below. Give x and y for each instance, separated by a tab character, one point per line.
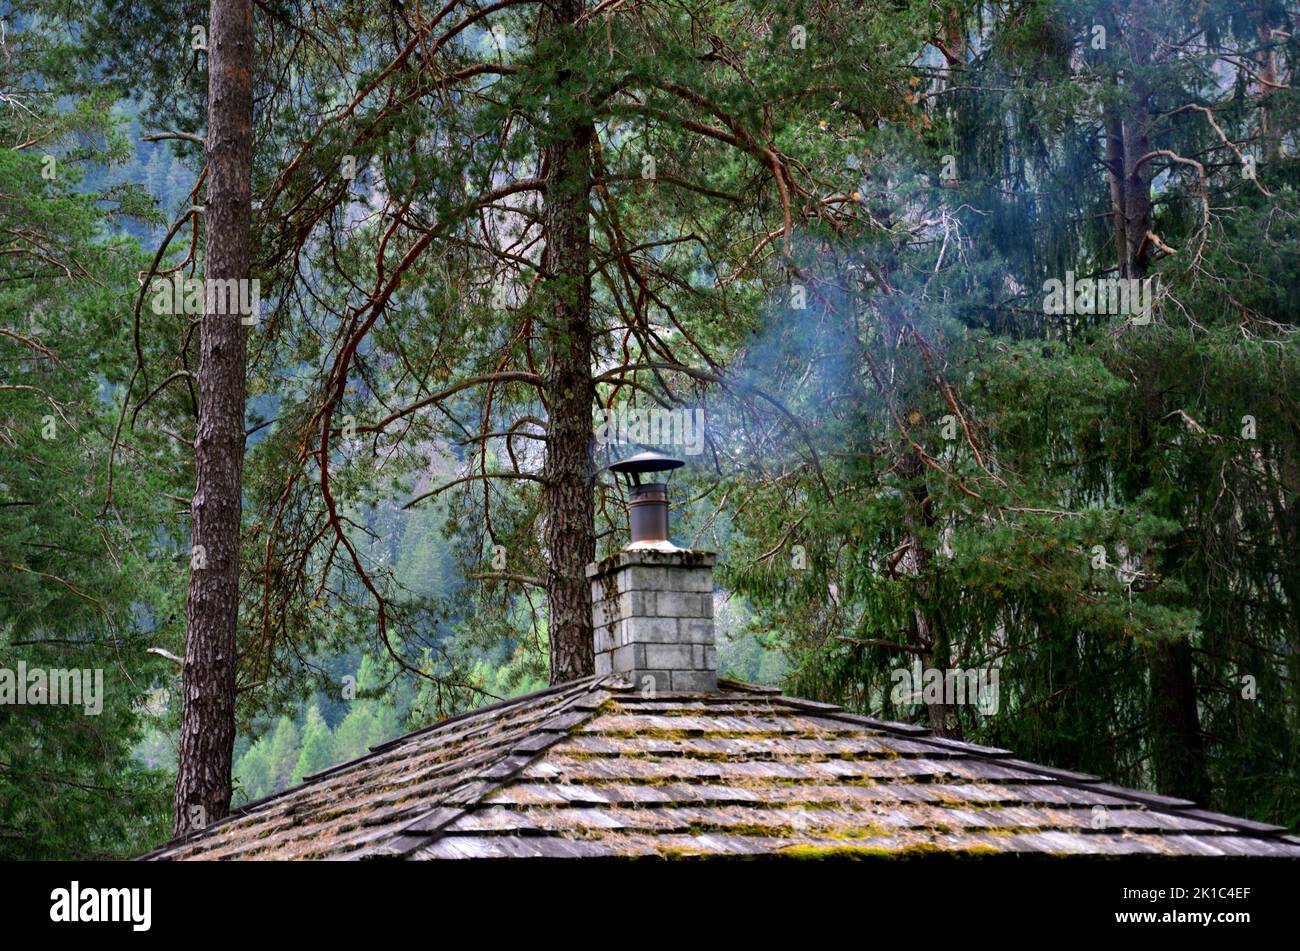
653	617
652	602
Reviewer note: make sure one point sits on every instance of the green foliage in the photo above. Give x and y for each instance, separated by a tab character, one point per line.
317	747
915	460
375	708
282	754
1170	447
84	584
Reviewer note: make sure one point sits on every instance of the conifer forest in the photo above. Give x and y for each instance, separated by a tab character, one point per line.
321	322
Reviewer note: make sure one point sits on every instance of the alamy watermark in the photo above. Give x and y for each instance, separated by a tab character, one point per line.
76	904
1118	296
953	686
37	686
654	426
193	295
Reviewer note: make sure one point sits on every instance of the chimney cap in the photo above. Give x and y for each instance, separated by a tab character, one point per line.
648	461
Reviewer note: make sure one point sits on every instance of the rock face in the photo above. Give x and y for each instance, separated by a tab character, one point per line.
653	619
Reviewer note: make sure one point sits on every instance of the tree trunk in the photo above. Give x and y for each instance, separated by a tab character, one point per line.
1114	122
1178	749
1177	746
208	695
1127	126
945	718
1137	143
570	393
1270	134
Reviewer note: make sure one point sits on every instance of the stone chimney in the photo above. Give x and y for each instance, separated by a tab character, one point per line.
653	618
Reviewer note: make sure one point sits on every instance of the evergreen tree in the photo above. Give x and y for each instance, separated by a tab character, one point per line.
834	225
352	736
253	774
317	747
282	754
203	786
82	588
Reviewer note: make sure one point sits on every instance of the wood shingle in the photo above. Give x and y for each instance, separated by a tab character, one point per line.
592	769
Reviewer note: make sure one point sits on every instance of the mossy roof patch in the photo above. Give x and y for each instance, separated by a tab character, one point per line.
591	769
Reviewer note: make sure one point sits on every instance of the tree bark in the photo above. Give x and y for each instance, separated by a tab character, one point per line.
1178	748
208	678
1270	135
1178	753
1137	189
570	536
1114	123
1127	124
929	636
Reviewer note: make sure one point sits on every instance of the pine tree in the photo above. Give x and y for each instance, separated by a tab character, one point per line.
282	754
79	589
253	772
317	747
203	785
352	736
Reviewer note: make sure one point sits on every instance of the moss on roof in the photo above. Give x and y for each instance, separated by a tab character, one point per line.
591	768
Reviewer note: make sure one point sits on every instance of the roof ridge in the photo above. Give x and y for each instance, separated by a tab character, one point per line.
428	827
1169	805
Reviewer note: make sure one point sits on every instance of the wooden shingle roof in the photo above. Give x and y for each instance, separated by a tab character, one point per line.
591	768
